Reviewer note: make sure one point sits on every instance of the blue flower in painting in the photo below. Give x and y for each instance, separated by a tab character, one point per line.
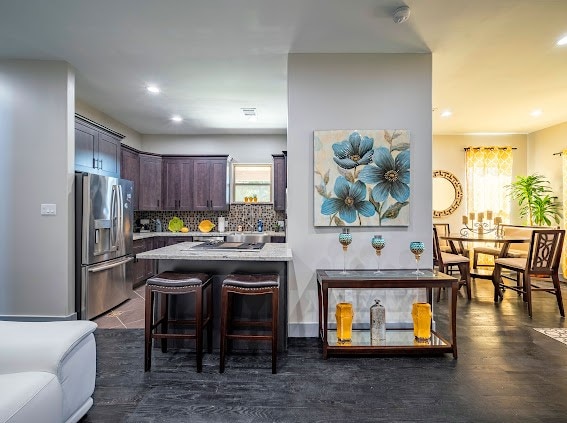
350	200
390	175
354	151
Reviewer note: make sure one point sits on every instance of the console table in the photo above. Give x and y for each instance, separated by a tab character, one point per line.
400	341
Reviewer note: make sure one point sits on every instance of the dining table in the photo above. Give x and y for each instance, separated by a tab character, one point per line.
457	240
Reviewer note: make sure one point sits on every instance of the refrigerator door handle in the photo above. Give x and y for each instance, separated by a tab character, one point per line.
111	265
113	216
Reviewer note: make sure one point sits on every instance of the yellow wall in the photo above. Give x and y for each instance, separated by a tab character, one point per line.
541	146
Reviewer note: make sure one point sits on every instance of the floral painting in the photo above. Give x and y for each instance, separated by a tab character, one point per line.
362	178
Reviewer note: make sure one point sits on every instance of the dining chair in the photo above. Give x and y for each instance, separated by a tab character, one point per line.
443	229
445	260
543	259
519	250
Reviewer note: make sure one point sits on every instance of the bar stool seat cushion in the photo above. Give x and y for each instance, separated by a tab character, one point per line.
178	279
252	281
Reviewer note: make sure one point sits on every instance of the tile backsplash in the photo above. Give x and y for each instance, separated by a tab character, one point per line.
246	215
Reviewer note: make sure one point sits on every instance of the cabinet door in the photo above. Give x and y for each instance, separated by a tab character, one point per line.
150	265
108	155
209	184
186	187
172	174
150	183
279	182
172	240
86	138
139	265
130	169
177	183
201	184
218	188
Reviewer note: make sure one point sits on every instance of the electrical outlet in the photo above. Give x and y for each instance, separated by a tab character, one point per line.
48	209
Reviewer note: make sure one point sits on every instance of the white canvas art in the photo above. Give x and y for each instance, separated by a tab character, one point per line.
361	177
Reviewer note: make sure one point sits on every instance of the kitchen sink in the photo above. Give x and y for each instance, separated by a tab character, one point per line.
248	237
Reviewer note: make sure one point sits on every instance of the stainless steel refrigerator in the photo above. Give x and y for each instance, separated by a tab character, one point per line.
104	231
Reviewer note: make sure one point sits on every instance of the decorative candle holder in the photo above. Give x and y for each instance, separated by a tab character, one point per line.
378	243
417	248
345	238
475	223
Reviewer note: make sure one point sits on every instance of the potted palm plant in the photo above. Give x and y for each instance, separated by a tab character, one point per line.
534	197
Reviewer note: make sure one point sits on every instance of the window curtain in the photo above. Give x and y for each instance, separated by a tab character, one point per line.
564	256
489	170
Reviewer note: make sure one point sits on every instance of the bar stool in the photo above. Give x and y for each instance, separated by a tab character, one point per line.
172	283
249	284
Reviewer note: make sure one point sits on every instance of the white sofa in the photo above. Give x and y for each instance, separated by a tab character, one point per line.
47	371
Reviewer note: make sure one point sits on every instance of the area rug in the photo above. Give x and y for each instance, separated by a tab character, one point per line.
559	334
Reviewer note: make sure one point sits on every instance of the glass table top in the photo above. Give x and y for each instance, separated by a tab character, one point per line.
384	274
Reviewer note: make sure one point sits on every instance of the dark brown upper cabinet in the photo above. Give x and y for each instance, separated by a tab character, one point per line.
150	183
280	181
177	185
97	149
210	183
130	169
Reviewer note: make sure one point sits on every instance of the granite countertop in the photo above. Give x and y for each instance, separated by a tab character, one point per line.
144	235
182	251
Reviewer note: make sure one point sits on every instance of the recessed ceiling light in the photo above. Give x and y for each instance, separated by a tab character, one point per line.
176	118
562	41
446	113
536	112
154	89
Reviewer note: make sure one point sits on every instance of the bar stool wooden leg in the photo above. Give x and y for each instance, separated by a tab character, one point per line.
275	311
199	328
164	307
210	318
148	329
223	325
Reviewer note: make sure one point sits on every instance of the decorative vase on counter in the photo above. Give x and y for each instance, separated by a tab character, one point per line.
421	315
377	323
344	315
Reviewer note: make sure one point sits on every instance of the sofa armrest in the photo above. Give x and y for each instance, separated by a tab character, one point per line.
40	346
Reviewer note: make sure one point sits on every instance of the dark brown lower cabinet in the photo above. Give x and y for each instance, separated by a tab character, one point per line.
143	269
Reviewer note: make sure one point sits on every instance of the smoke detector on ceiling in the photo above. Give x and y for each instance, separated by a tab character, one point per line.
250	113
401	14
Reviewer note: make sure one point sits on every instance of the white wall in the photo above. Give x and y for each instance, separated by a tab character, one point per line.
449	154
242	148
36	166
354	91
131	137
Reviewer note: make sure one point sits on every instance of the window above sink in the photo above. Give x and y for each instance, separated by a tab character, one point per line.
252	183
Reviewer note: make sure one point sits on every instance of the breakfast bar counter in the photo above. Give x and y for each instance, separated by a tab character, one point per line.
271	258
270	252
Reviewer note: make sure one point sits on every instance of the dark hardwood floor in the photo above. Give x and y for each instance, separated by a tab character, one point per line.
506	372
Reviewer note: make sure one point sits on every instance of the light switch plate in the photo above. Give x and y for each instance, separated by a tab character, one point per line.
48	209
